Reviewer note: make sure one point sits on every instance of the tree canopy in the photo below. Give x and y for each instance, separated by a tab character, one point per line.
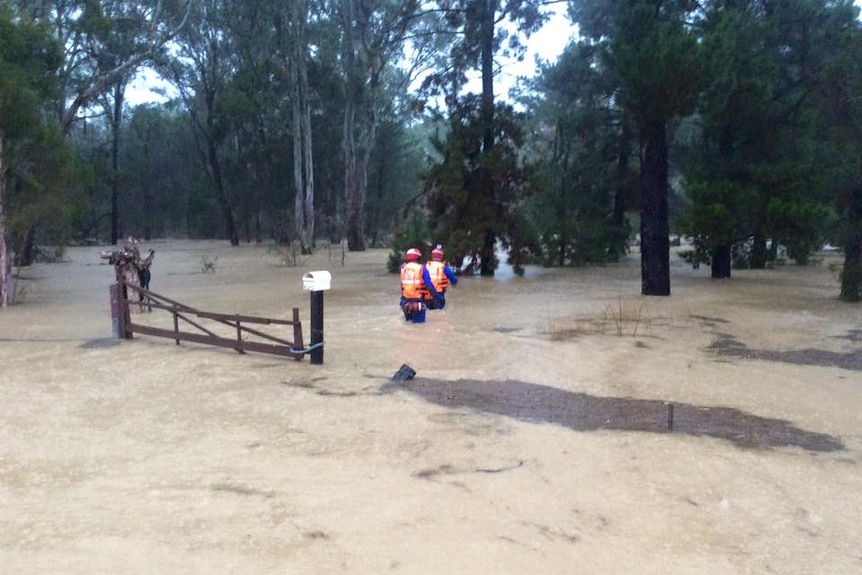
733	123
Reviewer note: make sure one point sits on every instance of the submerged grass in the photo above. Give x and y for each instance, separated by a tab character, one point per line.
623	318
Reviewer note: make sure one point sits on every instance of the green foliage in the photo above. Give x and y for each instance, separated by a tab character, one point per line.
414	235
841	96
473	195
757	171
457	33
731	211
574	211
582	181
797	222
760	107
29	59
654	54
657	60
44	189
713	218
160	169
205	217
41	184
393	179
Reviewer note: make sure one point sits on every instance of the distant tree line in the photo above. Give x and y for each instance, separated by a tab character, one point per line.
734	123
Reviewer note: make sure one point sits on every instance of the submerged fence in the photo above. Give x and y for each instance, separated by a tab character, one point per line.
224	330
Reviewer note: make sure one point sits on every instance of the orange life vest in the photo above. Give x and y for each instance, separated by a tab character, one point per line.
412	286
436	270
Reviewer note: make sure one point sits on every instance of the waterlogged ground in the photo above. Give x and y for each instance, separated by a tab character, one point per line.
557	423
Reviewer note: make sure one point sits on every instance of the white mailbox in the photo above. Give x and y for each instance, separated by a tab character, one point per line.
316	281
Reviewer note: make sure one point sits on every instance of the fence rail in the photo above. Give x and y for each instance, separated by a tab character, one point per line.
242	339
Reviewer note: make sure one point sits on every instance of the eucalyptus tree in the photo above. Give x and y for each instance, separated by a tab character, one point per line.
393	177
326	85
303	141
253	111
117	30
653	50
162	173
373	36
200	64
104	43
84	31
269	106
397	161
29	59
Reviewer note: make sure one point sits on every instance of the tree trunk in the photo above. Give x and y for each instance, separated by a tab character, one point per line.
759	253
5	268
221	196
115	159
487	55
488	255
147	185
352	190
488	262
367	147
851	274
298	180
303	164
308	156
27	253
655	243
721	262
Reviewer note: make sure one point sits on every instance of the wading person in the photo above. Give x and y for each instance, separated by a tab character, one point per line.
441	276
415	284
145	275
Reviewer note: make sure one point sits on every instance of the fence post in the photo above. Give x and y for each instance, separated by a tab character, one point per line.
120	311
316	283
317	327
176	322
116	311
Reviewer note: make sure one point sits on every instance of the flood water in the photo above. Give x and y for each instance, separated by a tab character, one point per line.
556	423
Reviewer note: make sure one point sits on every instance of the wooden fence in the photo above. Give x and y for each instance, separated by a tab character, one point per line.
223	330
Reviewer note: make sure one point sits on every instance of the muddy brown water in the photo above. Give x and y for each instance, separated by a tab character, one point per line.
533	438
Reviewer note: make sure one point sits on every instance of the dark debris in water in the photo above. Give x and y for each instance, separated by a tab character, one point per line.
725	345
854	335
581	412
100	343
709	320
507	329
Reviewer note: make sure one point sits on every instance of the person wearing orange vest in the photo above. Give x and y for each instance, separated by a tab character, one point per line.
415	284
441	275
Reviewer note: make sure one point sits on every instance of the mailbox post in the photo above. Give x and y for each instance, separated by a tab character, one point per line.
316	283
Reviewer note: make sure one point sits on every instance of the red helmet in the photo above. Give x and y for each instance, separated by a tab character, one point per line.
413	254
437	253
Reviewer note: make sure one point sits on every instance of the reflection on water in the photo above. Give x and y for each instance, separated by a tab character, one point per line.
582	412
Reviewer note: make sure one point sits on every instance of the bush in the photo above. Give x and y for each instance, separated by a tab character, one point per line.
414	235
